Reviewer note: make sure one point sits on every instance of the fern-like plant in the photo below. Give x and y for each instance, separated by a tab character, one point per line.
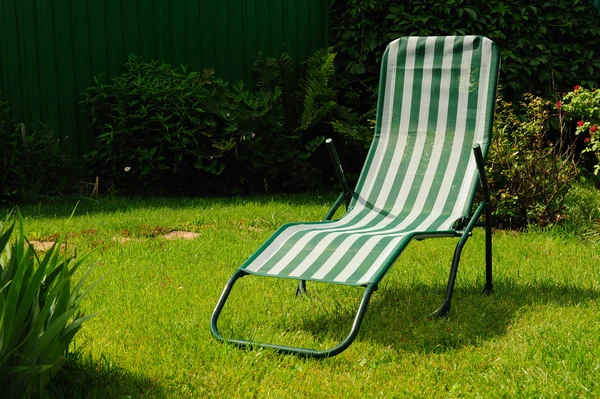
309	103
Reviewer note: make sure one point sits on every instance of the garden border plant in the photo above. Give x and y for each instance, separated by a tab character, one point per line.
530	172
584	104
39	311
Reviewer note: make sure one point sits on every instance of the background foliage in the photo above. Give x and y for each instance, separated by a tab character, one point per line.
543	45
33	163
163	129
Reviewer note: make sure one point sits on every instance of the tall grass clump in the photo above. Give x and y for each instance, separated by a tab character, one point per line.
39	312
583	212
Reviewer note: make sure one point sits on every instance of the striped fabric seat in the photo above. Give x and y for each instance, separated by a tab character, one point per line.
436	101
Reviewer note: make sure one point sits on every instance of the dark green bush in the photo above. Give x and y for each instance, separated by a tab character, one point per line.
11	151
33	162
544	45
530	173
166	130
170	130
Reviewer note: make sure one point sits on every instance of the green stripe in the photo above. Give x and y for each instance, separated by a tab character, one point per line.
413	121
396	119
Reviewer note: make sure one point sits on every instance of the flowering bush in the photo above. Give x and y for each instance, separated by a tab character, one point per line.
584	105
530	172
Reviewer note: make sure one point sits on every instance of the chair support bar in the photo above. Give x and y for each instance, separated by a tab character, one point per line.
481	169
337	165
488	219
302	352
487	206
445	308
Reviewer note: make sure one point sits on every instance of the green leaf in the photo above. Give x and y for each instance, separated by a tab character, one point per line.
471	12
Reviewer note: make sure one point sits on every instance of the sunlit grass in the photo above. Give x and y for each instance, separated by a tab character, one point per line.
537	335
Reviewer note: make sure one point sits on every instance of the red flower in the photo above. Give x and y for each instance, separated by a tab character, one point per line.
558	104
580	123
593	128
587	140
577	88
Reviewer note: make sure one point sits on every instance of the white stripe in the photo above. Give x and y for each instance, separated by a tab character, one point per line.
459	136
484	74
379	261
333	260
386	121
398	151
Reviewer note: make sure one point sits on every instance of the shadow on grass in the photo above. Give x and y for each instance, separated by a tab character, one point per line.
85	377
398	318
63	207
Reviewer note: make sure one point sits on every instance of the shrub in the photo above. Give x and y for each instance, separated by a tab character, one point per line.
11	152
39	313
160	128
33	162
584	105
530	173
164	128
544	45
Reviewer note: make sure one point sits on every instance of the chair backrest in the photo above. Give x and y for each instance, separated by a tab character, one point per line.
436	100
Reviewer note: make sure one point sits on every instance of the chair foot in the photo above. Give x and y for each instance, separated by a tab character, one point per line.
487	290
301	288
442	311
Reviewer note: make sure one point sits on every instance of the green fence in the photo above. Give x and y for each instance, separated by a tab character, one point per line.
50	49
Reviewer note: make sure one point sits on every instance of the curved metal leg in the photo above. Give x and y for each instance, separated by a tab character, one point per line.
445	308
302	352
489	286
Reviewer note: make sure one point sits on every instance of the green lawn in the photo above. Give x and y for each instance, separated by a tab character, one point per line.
537	335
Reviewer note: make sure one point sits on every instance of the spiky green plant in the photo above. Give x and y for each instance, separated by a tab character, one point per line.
39	312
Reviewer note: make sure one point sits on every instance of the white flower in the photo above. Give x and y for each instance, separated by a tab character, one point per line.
127	168
253	135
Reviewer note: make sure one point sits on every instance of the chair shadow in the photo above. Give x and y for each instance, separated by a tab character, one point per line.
85	377
399	318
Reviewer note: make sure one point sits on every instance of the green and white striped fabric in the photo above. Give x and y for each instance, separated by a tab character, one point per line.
436	100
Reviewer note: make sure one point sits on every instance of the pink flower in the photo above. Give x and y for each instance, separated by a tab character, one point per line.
577	88
580	123
587	140
559	104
